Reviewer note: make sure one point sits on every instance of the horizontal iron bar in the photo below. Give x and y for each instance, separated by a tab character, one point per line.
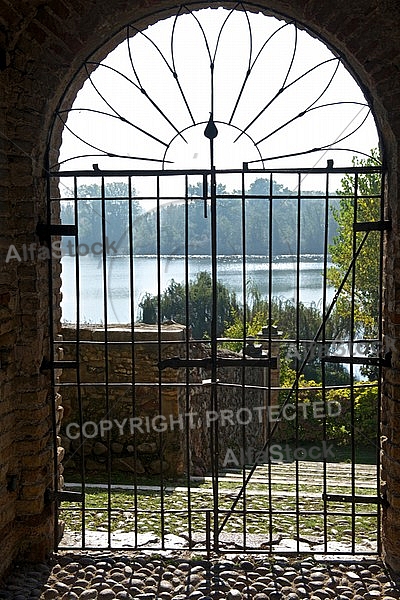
355	499
64	496
181	384
177	363
132	341
44	230
373	226
169	172
201	511
58	364
356	360
65	364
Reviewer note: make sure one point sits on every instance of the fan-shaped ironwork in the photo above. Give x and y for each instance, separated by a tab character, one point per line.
270	90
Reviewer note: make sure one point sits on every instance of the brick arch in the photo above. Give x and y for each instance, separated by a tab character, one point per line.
102	46
42	44
59	38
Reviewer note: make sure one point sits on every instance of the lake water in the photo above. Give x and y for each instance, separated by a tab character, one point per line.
115	278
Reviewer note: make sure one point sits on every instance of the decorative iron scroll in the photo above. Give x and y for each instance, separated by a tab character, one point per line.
258	89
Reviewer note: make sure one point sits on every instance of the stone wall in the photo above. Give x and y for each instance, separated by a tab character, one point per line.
118	377
127	416
42	43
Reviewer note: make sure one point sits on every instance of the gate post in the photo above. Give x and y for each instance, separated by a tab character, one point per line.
271	341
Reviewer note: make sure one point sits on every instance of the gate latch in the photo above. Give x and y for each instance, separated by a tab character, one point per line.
356	499
177	362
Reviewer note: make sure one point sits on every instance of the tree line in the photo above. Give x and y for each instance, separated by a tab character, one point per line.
255	225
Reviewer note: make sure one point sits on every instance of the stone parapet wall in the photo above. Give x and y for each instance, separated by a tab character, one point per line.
118	397
137	419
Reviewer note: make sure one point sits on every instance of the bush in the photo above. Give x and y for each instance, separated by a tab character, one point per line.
192	306
338	428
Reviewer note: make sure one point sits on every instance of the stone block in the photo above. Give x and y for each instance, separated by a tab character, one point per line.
147	448
158	466
128	464
100	449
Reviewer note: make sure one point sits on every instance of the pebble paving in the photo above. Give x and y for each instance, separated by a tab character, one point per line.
106	575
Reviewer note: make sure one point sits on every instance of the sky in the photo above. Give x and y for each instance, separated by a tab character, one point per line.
265	74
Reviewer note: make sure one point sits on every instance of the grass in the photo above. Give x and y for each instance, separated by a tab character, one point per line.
281	507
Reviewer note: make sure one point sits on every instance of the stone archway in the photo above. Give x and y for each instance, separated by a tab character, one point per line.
39	57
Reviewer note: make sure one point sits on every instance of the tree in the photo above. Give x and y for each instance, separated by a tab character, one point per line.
90	213
358	205
199	294
297	321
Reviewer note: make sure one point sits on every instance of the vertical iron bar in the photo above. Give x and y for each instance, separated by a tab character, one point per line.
133	388
214	348
159	328
205	195
298	251
269	392
323	373
208	533
243	389
352	412
106	365
187	352
78	363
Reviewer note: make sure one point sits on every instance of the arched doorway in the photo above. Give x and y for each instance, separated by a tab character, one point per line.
261	189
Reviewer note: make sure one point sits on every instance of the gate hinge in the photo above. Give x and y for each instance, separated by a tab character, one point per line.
379	361
48	365
44	230
356	499
373	226
62	496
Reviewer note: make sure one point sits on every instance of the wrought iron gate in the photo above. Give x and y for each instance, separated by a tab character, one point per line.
210	401
221	441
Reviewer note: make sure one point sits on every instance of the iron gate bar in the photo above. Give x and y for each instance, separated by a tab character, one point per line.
106	351
160	397
244	320
357	499
298	251
352	333
372	225
208	172
218	382
64	496
358	360
59	364
323	373
187	344
133	358
177	362
82	466
269	393
214	432
46	230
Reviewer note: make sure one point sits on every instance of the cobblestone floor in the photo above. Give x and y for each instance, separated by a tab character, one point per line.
122	575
